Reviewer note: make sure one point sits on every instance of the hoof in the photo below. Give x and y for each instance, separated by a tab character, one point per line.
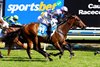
50	59
51	53
60	56
70	57
73	54
1	56
95	53
30	57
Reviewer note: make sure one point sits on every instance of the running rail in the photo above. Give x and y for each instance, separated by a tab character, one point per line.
90	33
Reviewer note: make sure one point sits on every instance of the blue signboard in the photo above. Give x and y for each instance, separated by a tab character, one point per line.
29	10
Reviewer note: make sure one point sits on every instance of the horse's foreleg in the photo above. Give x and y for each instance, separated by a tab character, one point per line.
29	43
16	40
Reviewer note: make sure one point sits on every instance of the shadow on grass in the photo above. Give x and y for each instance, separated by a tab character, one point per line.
23	59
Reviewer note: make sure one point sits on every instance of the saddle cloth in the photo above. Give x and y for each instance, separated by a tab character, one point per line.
42	30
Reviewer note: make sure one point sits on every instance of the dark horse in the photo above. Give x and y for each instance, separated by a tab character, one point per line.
9	36
58	39
3	24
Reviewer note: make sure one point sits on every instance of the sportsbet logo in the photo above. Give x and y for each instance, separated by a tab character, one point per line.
32	7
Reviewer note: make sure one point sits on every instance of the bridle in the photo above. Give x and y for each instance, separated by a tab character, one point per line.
65	21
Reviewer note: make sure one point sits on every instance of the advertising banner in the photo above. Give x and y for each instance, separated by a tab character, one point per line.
87	10
29	10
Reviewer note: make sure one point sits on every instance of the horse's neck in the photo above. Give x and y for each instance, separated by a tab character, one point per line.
64	28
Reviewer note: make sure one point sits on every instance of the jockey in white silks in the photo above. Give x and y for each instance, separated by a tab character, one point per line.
47	19
50	17
60	13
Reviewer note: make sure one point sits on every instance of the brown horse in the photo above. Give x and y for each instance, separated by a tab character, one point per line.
8	35
3	24
58	39
10	38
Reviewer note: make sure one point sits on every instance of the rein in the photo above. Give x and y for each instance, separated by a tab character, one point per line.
60	32
65	21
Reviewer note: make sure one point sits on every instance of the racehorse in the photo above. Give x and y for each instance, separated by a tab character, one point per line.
58	38
8	35
10	38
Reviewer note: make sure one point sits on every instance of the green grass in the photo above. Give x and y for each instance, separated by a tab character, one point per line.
19	58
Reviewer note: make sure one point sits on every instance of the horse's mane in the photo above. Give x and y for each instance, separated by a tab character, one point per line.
18	26
67	16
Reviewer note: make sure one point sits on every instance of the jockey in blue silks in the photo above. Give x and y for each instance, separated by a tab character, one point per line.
12	20
59	14
46	19
50	18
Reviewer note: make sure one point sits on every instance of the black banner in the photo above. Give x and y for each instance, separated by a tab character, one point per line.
87	10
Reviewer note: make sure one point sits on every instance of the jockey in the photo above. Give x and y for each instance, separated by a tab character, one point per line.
59	14
51	18
12	20
47	19
64	10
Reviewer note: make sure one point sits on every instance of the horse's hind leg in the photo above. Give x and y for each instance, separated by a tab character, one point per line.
9	50
69	48
45	54
9	47
57	45
18	42
37	47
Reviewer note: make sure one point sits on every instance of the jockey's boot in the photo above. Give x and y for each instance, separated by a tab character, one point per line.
49	31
